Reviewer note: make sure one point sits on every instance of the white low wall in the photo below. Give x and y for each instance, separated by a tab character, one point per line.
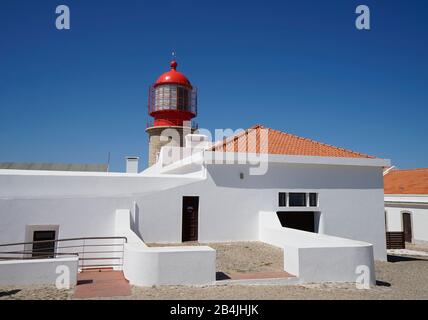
145	266
37	272
316	257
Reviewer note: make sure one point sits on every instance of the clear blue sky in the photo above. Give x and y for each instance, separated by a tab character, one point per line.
297	66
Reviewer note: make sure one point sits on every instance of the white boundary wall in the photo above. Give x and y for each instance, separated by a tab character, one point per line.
314	257
38	271
144	266
416	205
169	265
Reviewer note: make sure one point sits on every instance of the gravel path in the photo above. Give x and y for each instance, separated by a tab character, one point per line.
34	293
400	278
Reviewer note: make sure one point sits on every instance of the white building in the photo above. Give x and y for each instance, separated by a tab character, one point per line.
322	204
406	203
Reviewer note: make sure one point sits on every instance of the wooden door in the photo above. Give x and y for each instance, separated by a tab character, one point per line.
190	219
407	226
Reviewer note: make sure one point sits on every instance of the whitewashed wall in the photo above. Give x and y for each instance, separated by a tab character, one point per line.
169	265
305	253
38	271
147	266
351	202
350	197
419	218
79	204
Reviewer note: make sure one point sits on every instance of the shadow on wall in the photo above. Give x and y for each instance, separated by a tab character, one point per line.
135	221
297	176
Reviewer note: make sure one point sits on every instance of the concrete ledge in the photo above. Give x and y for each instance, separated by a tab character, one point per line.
316	258
145	266
37	271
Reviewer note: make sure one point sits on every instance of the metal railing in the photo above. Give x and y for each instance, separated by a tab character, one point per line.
93	252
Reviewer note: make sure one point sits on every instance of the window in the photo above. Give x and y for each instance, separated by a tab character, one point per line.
282	199
42	246
313	200
297	200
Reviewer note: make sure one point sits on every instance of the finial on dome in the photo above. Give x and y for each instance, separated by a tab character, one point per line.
174	63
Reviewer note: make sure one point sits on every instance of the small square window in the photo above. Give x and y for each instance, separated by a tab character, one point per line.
282	199
313	200
297	199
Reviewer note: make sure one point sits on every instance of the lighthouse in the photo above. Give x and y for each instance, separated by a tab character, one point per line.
172	105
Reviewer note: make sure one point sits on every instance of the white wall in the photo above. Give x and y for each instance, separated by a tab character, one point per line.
169	265
419	218
144	266
350	196
76	217
80	204
37	272
317	258
350	202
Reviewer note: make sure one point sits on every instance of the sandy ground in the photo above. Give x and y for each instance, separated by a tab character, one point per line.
243	257
34	293
400	278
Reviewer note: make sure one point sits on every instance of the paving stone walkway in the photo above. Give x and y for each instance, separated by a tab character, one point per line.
101	284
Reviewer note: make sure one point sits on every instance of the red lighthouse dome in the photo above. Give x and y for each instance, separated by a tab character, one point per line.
172	99
173	77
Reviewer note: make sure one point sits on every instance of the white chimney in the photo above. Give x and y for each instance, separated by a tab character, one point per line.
132	164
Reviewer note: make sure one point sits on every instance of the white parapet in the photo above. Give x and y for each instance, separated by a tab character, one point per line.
39	271
318	257
145	266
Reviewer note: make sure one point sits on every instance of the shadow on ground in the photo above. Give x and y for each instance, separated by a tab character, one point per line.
9	293
382	283
221	276
393	259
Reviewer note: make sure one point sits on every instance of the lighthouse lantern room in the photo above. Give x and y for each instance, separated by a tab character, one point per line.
172	104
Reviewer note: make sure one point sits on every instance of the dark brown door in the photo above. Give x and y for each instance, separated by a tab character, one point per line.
45	249
407	227
190	219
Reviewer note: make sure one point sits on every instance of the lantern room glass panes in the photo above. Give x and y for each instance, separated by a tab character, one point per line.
172	97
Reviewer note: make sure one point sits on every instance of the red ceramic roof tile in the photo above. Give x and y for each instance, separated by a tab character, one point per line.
276	142
413	181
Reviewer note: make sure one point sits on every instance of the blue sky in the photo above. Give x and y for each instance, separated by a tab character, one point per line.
296	66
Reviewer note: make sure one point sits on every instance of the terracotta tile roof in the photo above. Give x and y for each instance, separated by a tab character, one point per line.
277	142
414	181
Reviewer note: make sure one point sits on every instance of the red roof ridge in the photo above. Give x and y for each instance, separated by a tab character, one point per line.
343	152
322	143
